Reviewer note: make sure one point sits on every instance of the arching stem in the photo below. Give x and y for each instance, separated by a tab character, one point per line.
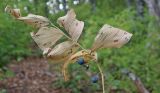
102	76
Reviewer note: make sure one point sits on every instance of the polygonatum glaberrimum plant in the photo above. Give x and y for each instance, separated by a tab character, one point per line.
48	35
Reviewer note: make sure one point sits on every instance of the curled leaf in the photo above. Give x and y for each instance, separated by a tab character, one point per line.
14	12
62	51
73	26
87	55
110	37
46	37
35	20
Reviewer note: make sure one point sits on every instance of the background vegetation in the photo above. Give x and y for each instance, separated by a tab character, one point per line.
141	55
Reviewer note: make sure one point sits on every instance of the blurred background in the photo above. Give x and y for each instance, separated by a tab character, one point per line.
141	55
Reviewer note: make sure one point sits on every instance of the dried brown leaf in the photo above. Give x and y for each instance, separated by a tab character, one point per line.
73	26
62	51
14	12
46	37
110	37
35	20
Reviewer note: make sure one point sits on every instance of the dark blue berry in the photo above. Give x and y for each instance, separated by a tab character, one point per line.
80	61
94	79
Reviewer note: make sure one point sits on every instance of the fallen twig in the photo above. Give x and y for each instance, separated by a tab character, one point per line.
136	80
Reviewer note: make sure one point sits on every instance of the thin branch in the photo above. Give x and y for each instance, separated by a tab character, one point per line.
136	80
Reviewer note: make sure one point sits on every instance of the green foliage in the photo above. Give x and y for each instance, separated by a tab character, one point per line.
14	40
3	91
140	55
6	74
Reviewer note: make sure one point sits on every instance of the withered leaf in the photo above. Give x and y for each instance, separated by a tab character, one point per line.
73	26
110	37
46	37
62	51
14	12
35	20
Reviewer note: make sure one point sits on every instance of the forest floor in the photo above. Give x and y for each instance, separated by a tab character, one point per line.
35	75
32	75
